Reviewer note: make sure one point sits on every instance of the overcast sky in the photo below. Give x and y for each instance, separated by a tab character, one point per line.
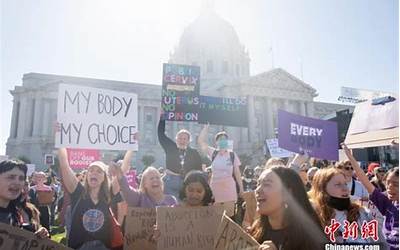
350	43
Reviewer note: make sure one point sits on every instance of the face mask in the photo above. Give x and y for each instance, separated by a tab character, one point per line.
339	203
222	144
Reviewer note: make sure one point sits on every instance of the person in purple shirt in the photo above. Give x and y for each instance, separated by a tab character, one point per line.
151	189
387	205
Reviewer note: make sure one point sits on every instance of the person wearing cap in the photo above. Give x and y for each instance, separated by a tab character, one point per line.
91	226
225	169
180	158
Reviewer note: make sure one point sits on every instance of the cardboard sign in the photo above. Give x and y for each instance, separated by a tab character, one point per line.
91	118
185	228
231	236
223	111
139	230
180	92
317	138
19	239
275	150
81	158
49	159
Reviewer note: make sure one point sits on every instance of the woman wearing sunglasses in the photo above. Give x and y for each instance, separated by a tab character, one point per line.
357	191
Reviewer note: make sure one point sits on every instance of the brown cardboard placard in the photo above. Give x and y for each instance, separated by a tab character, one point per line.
18	239
139	229
185	228
232	236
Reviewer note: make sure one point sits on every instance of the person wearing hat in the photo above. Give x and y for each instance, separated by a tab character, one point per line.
225	170
91	226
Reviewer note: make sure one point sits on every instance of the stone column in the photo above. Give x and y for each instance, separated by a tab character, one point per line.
286	105
141	118
251	117
23	114
310	109
269	118
46	118
38	117
302	108
14	117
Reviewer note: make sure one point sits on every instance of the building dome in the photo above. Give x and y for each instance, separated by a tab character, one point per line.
213	44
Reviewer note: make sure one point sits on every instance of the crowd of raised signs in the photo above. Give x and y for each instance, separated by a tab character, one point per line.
290	204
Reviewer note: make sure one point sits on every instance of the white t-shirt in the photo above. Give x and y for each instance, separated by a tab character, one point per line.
359	191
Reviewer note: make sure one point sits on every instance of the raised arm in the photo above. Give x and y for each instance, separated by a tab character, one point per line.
126	163
162	138
68	176
362	177
131	197
202	139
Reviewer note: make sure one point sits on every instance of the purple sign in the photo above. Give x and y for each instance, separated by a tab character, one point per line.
317	138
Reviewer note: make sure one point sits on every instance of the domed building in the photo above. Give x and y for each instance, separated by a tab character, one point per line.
213	44
209	42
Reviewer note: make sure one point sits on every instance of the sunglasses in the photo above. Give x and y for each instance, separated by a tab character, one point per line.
346	168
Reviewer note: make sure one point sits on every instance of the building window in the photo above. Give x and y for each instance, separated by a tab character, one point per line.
15	132
210	66
224	67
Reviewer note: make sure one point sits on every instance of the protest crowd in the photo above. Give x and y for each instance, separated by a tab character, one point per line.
300	202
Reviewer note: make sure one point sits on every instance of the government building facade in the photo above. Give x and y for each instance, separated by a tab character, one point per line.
209	42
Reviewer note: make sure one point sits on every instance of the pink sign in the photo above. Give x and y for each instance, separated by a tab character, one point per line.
81	158
131	178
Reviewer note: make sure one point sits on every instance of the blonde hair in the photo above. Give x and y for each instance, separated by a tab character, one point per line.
144	174
273	161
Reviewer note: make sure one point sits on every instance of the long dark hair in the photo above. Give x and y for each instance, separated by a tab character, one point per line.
197	176
302	226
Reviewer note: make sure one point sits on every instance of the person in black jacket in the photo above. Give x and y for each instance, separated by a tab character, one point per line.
180	158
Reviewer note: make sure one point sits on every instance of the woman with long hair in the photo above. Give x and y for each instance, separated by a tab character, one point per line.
90	205
331	199
285	212
12	181
387	204
195	191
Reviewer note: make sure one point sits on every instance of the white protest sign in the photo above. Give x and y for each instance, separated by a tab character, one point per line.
275	150
91	118
31	169
185	228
